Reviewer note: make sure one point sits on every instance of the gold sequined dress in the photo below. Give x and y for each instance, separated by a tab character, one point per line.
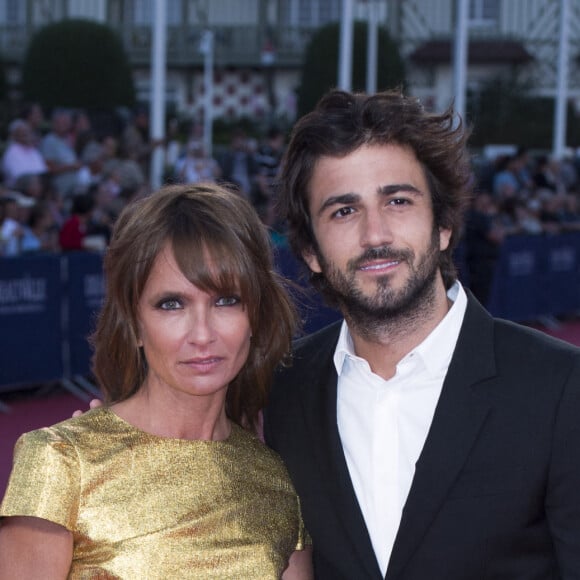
147	507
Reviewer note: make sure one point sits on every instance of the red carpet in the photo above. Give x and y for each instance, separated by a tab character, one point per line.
39	408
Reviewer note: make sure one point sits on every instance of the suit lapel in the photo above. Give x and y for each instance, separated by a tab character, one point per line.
459	416
319	404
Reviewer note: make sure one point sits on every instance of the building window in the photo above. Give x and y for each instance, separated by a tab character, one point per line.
309	13
14	12
483	12
142	11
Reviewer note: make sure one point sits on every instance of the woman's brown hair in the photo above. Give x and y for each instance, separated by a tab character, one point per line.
202	223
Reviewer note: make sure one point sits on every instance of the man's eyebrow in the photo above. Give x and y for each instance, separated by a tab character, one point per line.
342	199
398	187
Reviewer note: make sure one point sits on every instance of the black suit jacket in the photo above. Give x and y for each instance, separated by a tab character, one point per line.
496	491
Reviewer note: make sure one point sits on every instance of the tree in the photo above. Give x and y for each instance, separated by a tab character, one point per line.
506	111
77	63
320	66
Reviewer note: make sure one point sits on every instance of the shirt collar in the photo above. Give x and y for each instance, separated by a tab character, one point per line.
435	351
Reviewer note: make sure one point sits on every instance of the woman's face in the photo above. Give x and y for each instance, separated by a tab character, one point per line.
195	343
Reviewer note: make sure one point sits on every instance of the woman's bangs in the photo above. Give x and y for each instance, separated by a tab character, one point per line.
211	266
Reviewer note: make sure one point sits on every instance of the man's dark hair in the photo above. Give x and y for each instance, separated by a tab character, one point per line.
341	123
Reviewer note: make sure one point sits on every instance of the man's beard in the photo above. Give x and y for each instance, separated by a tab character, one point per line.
387	307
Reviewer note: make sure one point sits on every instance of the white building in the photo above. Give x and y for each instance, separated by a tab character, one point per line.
259	44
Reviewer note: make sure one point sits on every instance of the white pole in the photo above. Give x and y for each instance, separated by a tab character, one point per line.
345	43
560	112
206	48
158	59
372	48
460	50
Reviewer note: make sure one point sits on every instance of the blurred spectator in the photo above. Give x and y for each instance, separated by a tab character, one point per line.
10	228
555	213
195	166
523	169
570	216
81	133
56	207
136	143
21	156
39	234
75	230
268	158
33	114
520	216
238	164
129	174
546	175
15	210
505	181
31	185
568	174
110	152
91	172
484	235
173	147
59	155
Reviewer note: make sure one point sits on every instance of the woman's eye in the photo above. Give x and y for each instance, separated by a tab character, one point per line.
228	301
169	304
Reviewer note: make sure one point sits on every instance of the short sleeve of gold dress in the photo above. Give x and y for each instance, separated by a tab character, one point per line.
142	506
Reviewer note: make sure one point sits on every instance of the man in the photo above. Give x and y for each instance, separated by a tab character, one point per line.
60	156
268	157
426	440
238	165
21	157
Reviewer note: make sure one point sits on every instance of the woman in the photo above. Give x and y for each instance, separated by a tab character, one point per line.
167	480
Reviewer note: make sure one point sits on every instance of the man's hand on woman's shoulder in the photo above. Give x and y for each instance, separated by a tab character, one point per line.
94	404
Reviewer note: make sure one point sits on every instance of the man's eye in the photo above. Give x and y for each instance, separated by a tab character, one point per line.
228	301
343	211
399	201
169	304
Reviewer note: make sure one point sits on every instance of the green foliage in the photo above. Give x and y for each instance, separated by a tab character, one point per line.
505	111
320	66
77	63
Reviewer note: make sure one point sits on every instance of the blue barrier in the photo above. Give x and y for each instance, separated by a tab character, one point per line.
536	276
31	329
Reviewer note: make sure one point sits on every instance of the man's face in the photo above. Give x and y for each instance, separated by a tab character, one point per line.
372	217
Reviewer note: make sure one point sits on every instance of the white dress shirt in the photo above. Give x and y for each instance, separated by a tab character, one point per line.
383	424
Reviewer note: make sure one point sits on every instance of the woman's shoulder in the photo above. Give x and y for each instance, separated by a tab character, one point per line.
251	445
72	429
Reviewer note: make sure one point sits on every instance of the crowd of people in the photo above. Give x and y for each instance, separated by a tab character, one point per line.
64	180
517	194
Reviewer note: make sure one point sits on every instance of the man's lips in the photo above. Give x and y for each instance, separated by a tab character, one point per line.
382	265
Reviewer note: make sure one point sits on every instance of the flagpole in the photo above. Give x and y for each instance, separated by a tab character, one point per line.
158	62
460	50
372	47
561	99
345	47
